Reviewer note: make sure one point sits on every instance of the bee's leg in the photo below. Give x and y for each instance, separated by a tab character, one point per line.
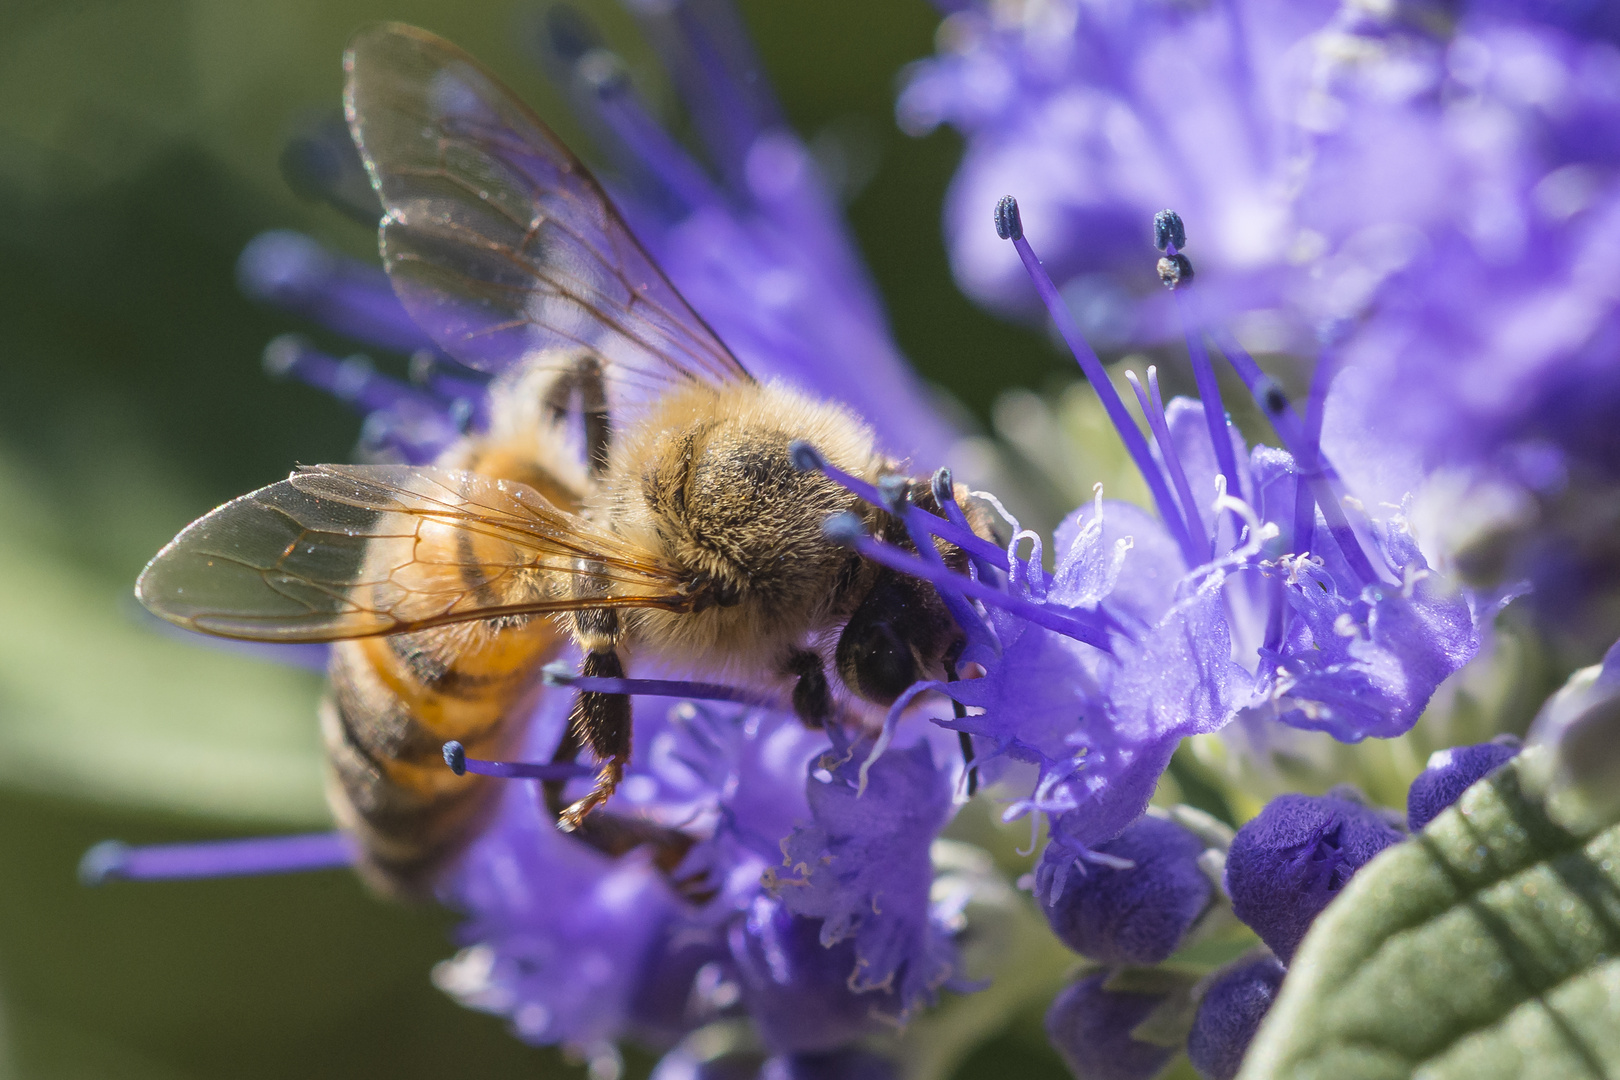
599	721
953	655
585	378
812	696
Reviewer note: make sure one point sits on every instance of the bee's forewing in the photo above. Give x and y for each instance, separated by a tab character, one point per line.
498	240
341	551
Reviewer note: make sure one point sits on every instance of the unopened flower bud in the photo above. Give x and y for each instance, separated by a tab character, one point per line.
1450	773
1287	864
1090	1027
1229	1014
1128	915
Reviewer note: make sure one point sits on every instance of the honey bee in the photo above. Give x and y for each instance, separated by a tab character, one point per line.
683	531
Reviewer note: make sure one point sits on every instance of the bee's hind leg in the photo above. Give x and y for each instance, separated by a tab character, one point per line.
812	694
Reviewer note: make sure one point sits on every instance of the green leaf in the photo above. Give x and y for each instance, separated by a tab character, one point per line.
1487	946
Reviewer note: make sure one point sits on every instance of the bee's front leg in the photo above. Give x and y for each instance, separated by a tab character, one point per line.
598	721
812	695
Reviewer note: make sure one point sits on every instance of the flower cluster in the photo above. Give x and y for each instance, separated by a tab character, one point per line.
1421	193
1278	873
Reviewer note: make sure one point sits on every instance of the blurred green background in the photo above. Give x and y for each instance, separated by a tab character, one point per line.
138	154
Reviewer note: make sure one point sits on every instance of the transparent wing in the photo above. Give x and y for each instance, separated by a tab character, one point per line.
499	242
340	551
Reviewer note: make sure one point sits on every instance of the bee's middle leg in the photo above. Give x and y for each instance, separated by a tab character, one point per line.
812	694
598	721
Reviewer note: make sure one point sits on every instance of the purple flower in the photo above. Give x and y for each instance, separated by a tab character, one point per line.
862	868
1388	194
1287	864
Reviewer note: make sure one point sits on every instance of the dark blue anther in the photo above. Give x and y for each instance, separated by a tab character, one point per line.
1287	864
569	33
1270	396
843	529
1168	231
104	861
455	756
943	488
1229	1014
805	457
1009	225
1448	775
894	490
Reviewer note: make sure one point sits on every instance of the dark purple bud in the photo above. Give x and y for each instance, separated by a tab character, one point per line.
1129	915
1287	864
1448	775
847	1064
1229	1014
1168	230
1091	1029
1009	224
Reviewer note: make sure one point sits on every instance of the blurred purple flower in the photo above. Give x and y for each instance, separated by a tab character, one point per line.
1431	187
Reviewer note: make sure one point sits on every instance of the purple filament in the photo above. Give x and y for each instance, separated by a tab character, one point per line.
945	495
808	457
219	858
1209	390
1092	367
290	271
1153	409
455	756
559	675
351	380
645	142
707	52
982	646
846	529
1318	482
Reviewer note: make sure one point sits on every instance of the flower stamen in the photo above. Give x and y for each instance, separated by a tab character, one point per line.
1009	226
250	857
